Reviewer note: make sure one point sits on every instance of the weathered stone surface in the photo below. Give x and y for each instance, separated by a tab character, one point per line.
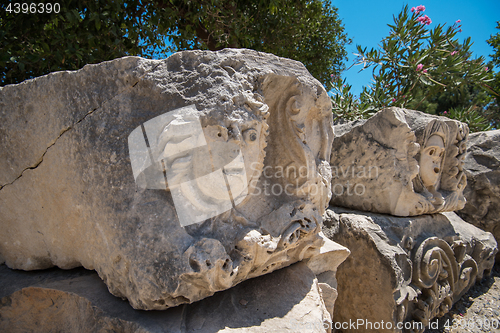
81	185
482	167
405	269
288	300
400	162
325	265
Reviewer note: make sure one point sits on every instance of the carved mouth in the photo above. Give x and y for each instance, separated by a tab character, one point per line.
234	171
436	170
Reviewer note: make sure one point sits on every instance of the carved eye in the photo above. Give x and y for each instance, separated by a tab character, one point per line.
250	135
432	151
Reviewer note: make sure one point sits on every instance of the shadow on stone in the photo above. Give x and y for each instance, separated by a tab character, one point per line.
77	300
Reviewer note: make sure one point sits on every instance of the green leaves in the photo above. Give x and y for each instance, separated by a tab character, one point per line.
493	85
345	105
472	116
494	41
428	70
413	58
85	31
310	32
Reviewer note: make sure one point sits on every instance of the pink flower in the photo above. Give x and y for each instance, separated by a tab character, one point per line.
424	20
419	67
453	53
486	69
393	100
418	9
331	75
458	21
445	112
425	71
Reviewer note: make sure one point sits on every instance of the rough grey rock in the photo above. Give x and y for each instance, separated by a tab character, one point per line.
342	128
405	270
288	300
77	190
482	167
399	162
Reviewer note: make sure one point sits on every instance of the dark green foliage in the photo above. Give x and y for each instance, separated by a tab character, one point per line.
472	116
308	31
494	42
344	104
90	31
84	31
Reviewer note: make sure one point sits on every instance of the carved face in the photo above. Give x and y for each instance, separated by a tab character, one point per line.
209	168
430	161
252	143
239	152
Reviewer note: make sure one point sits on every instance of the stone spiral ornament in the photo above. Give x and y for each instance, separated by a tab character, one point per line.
442	273
434	260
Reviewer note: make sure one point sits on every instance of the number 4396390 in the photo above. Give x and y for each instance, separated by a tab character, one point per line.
33	8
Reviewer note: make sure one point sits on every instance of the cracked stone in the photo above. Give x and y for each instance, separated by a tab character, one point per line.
61	99
93	202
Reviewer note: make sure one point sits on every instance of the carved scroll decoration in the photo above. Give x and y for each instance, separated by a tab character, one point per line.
441	274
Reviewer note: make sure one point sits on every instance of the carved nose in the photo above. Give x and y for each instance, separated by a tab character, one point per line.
436	170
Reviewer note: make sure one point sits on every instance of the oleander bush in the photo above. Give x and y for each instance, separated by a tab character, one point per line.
423	69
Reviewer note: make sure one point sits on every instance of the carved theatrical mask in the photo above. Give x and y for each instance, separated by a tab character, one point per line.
173	178
208	170
431	161
400	162
441	179
252	183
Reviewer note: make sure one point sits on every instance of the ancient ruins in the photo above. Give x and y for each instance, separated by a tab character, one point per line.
215	187
400	162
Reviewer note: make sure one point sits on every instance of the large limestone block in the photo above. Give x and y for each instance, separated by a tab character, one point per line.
288	300
399	162
173	179
482	167
404	270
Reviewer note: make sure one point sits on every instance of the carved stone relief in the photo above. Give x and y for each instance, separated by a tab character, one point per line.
442	273
198	172
411	269
400	162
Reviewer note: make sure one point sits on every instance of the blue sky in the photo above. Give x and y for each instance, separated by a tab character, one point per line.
366	24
